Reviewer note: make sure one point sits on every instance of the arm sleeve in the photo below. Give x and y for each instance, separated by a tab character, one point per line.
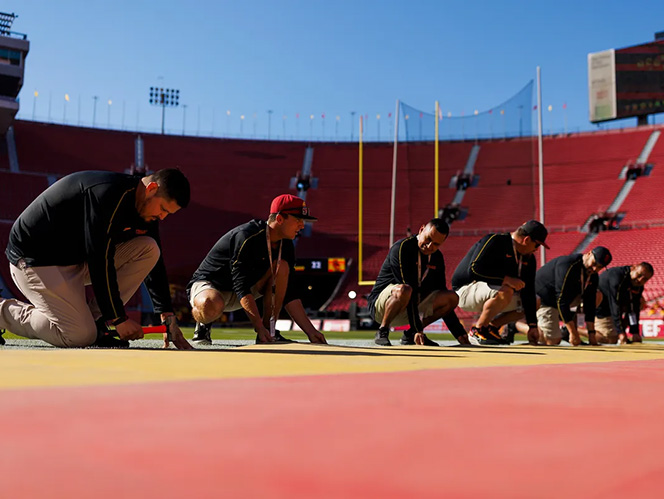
484	265
454	324
564	278
156	281
590	298
614	297
528	299
101	208
406	273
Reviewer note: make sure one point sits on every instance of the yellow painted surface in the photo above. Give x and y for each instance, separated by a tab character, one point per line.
61	367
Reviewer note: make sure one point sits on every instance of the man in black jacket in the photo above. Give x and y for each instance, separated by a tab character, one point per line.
563	283
98	228
496	278
412	280
251	261
622	295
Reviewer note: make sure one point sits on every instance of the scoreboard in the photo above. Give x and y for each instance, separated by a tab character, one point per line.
626	82
320	265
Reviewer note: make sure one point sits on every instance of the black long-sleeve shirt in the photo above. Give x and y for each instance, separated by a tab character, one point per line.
493	258
619	296
562	280
79	219
239	259
401	267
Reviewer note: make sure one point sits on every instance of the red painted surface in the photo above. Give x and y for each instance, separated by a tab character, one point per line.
584	430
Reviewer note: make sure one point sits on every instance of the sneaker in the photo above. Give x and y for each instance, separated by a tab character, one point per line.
2	340
280	339
382	337
108	341
202	334
486	335
408	337
105	338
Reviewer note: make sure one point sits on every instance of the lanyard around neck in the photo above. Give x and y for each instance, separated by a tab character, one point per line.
273	271
518	258
421	277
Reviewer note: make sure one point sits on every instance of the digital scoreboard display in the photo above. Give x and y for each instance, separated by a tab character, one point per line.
320	265
627	82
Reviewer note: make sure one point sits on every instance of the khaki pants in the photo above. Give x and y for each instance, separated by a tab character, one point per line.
548	320
606	327
58	312
425	308
473	296
231	301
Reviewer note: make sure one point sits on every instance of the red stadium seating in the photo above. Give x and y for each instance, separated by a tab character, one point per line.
235	180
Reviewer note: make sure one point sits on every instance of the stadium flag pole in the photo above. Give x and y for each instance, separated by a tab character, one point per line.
540	158
394	174
435	162
360	260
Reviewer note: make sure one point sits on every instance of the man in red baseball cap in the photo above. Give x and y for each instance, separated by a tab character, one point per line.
251	261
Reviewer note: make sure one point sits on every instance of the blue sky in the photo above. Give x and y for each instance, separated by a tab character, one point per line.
312	58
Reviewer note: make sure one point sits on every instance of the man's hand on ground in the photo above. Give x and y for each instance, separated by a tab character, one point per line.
317	337
533	335
264	335
177	338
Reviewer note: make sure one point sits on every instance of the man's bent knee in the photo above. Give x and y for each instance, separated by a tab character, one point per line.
401	293
208	306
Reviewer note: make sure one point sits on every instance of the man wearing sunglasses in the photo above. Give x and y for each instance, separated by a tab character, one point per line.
251	261
562	284
496	279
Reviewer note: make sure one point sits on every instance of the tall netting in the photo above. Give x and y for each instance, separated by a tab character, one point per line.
512	118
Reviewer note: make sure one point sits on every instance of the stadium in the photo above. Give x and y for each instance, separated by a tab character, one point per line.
322	419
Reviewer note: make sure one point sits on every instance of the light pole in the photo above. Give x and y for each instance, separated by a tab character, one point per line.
352	124
94	110
164	97
34	105
108	125
269	123
64	110
184	116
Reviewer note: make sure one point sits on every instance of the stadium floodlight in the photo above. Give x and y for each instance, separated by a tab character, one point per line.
6	21
164	97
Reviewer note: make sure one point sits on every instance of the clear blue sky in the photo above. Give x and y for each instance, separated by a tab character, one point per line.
313	57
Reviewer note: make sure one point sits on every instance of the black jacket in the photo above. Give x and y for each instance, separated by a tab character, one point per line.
400	267
493	258
79	219
619	296
239	259
558	284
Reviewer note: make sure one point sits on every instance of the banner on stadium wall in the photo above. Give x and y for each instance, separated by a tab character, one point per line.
336	325
652	328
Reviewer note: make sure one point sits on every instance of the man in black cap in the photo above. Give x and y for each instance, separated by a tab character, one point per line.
251	261
622	295
412	281
566	282
496	278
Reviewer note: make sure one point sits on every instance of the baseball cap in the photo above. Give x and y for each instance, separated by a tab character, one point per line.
602	255
291	205
536	231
